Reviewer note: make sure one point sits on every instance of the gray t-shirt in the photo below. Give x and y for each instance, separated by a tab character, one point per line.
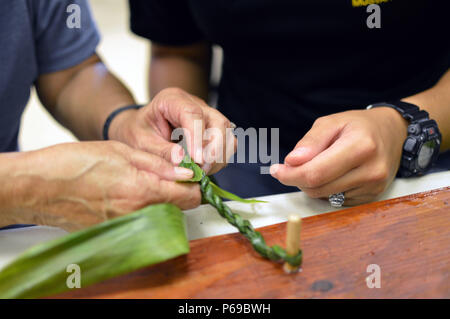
35	38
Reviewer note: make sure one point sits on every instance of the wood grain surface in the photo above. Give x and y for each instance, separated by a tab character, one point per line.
408	237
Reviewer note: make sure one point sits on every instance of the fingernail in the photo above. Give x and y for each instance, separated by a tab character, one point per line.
298	152
183	173
274	168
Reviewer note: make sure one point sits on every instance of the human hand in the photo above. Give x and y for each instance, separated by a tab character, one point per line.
80	184
150	129
356	152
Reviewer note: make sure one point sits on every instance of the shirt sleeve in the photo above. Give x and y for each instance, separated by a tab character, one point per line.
168	22
60	45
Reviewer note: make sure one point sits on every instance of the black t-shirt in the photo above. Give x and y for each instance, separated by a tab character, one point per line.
287	62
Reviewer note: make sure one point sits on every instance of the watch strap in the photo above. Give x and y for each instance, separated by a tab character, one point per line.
113	115
409	112
421	129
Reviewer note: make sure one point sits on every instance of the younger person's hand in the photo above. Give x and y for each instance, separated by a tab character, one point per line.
356	152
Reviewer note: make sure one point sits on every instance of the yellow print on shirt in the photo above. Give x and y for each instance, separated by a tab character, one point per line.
363	3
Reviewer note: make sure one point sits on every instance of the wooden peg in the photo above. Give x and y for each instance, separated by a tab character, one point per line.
294	226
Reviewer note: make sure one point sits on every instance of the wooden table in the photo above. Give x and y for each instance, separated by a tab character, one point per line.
407	237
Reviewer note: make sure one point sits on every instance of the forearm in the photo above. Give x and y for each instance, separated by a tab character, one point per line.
187	68
436	101
82	99
21	192
54	186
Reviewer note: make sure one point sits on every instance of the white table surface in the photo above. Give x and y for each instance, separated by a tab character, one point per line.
205	222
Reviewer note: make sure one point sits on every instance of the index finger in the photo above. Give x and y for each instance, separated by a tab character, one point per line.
222	143
345	154
184	112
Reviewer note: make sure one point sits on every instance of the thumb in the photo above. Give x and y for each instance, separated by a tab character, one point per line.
171	152
318	139
159	166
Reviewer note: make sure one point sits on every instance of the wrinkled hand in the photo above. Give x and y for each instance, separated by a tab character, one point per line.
356	152
79	184
150	129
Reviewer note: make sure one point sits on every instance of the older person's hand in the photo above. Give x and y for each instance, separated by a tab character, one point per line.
356	152
209	136
76	185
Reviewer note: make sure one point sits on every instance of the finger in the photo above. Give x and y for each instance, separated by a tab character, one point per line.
183	195
366	191
221	142
366	180
181	110
230	149
354	201
213	151
159	166
359	195
359	200
355	178
347	152
317	139
155	144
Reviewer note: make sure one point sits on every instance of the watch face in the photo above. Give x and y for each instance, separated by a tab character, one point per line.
426	154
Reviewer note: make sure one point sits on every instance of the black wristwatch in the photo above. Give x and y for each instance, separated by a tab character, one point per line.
421	147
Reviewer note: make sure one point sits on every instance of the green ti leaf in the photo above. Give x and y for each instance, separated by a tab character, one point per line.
118	246
198	175
224	194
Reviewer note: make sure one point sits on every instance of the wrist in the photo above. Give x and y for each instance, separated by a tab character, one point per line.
396	124
113	127
118	128
394	131
421	148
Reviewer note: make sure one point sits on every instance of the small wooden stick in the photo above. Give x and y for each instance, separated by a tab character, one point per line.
294	226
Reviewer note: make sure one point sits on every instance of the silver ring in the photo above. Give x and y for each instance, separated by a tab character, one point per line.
232	125
337	200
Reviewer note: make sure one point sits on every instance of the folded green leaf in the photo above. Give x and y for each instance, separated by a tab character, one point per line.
121	245
224	194
187	162
198	175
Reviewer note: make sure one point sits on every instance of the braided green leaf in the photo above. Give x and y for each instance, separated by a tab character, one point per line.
213	194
